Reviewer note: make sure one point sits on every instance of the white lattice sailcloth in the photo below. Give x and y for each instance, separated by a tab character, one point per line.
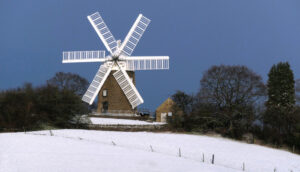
96	84
103	32
83	56
128	88
134	35
147	63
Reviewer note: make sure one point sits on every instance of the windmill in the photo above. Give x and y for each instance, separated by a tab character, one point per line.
119	62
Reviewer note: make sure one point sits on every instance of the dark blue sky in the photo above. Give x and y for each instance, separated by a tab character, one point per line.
194	33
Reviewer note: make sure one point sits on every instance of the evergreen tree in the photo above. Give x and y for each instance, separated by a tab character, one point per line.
297	91
281	100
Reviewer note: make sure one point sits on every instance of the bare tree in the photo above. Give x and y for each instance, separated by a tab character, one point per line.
229	86
232	90
69	81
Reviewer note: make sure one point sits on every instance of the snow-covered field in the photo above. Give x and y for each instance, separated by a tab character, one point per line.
122	121
106	151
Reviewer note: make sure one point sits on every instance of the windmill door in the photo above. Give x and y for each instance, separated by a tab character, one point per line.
104	107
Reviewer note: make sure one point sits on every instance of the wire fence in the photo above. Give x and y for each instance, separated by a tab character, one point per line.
204	157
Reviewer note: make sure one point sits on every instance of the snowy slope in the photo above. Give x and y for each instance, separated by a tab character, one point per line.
122	121
86	150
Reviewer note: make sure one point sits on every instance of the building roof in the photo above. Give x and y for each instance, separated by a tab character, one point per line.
166	105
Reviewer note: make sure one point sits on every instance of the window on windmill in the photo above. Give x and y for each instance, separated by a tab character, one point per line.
104	93
169	113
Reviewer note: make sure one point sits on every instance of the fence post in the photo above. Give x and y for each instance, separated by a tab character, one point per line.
202	157
243	166
293	148
113	143
179	153
213	159
51	134
151	148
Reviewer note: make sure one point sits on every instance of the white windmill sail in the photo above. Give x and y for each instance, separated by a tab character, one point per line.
147	62
96	84
120	57
103	32
83	56
128	88
134	35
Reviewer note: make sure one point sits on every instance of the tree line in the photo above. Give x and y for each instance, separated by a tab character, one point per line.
54	104
234	101
231	100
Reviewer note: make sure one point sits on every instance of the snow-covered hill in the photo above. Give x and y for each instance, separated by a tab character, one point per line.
86	150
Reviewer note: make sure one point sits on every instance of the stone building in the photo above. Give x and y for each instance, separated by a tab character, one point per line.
164	110
111	98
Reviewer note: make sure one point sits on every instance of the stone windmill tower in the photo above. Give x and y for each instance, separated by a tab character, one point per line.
114	83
